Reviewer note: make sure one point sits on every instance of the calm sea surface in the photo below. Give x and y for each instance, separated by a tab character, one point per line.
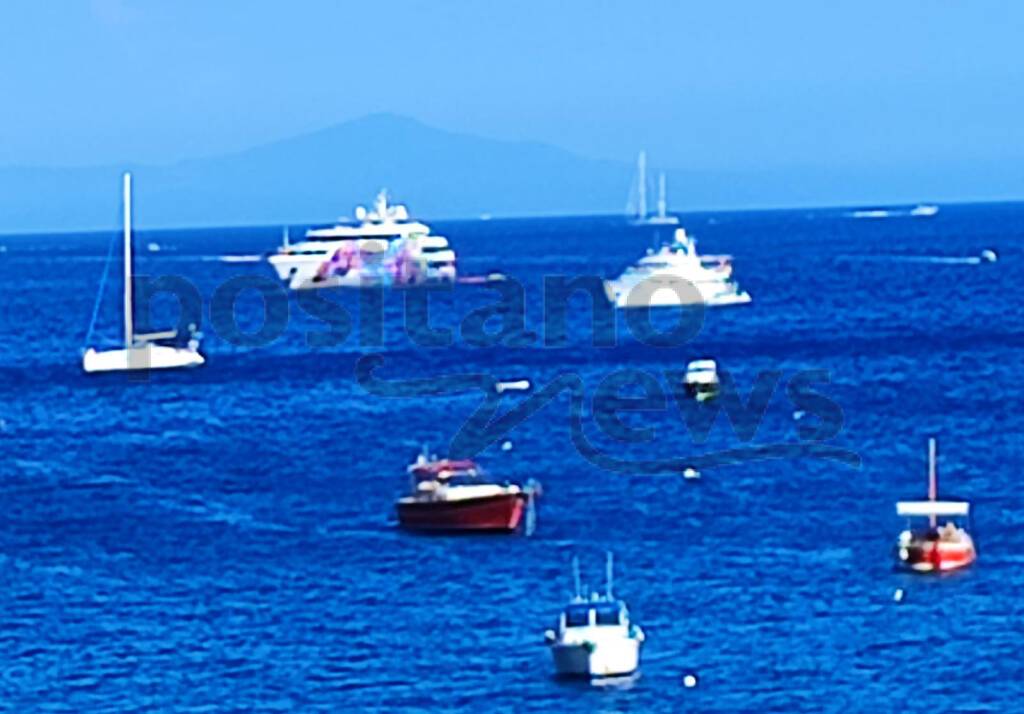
223	539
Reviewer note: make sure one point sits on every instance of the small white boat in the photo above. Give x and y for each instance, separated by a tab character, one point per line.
701	381
921	210
162	350
595	637
924	210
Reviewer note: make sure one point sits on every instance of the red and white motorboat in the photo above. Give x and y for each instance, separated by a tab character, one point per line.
936	548
452	496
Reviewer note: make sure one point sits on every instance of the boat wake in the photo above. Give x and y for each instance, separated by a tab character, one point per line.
918	211
986	256
232	258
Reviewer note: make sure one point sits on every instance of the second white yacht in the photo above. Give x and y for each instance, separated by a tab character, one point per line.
676	275
383	247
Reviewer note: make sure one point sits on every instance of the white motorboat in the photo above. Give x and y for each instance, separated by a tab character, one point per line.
676	275
921	210
595	637
384	247
161	350
638	211
701	380
924	210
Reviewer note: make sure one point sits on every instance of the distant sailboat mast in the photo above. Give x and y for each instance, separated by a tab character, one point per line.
662	206
641	169
933	484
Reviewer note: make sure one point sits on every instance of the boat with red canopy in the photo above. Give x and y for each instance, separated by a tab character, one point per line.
935	548
450	495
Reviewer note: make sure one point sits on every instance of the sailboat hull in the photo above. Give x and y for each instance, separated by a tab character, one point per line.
140	358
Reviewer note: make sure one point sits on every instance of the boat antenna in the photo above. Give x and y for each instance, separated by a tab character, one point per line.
608	575
933	485
286	237
129	337
576	575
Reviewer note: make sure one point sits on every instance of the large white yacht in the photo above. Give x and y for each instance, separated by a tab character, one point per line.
383	247
676	275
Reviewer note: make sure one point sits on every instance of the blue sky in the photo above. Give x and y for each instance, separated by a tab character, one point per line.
744	85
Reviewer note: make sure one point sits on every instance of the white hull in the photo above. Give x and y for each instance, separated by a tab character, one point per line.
656	221
300	273
648	293
608	658
140	358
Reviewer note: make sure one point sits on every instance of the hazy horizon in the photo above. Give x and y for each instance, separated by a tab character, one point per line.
791	105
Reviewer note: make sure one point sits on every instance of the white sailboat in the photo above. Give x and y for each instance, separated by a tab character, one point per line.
140	351
640	216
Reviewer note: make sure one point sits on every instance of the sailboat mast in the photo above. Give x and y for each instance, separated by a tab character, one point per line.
662	207
129	336
933	485
608	576
641	169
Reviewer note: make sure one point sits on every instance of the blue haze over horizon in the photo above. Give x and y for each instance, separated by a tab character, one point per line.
746	104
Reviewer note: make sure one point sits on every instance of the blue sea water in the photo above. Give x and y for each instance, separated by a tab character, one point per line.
223	539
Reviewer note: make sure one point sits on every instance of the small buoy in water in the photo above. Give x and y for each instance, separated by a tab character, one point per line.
799	414
989	256
506	446
690	681
691	473
898	595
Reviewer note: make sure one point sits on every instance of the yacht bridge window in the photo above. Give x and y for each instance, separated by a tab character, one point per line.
607	614
577	616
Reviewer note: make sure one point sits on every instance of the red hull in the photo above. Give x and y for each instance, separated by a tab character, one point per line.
490	513
931	559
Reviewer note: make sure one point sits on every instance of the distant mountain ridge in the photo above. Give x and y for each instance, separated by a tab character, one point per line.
320	176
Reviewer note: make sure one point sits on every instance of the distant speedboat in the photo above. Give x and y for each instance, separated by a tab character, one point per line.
935	549
639	215
676	275
452	496
595	637
385	248
162	350
923	210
